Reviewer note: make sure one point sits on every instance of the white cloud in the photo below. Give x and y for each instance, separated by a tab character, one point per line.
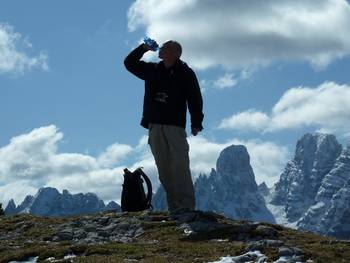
13	56
32	160
114	154
242	33
247	120
225	81
326	107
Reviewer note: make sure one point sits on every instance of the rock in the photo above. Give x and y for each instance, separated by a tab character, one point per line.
103	233
80	234
95	230
259	245
103	221
198	225
65	235
285	252
139	232
123	226
111	227
90	228
298	251
266	231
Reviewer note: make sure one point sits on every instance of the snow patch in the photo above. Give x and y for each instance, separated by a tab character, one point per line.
29	260
257	256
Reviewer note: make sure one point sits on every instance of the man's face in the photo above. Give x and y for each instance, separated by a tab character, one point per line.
167	52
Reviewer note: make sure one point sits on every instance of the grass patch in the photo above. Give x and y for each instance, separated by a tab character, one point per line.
317	247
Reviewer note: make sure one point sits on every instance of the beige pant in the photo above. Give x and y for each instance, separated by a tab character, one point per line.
170	150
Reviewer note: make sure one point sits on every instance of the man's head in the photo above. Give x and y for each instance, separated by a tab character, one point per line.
170	51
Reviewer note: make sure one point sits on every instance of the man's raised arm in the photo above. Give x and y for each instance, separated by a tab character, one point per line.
135	65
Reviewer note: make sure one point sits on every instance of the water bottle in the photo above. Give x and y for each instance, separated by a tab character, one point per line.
151	43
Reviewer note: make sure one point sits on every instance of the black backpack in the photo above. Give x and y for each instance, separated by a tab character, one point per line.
133	193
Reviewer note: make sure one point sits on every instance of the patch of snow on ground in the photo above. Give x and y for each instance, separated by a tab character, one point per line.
251	256
254	257
69	256
30	260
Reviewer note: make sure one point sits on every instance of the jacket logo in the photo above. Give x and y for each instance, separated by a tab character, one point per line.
161	97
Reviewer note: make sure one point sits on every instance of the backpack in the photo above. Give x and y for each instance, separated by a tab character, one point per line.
133	194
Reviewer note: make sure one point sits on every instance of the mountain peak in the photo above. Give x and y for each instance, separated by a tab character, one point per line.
10	208
232	158
315	155
47	191
316	147
233	188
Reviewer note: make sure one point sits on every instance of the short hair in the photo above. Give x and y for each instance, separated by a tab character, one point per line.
177	47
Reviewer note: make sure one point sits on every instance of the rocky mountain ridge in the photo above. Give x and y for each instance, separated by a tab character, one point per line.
314	189
48	201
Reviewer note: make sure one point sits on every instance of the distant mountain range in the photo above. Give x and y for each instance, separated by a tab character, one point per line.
313	192
49	202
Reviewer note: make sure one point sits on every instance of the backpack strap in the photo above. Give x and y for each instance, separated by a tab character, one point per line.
149	187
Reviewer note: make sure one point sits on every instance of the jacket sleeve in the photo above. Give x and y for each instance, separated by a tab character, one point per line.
195	101
136	66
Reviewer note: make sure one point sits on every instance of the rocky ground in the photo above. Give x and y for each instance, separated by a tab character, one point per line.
158	237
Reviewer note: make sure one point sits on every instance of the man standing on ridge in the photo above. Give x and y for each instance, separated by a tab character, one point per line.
170	87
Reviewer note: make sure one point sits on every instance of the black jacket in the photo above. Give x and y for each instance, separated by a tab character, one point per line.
168	91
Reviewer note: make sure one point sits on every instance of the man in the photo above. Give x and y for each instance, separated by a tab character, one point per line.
170	86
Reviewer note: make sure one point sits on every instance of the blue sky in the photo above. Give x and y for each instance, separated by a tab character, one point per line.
70	112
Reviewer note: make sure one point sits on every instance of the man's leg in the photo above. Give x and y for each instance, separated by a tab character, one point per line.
170	149
180	167
160	150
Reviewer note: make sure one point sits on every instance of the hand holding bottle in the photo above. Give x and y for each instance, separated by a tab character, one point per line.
151	44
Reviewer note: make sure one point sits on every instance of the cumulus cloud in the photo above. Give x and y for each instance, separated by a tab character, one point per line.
13	52
244	33
225	81
326	107
247	120
32	160
114	154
